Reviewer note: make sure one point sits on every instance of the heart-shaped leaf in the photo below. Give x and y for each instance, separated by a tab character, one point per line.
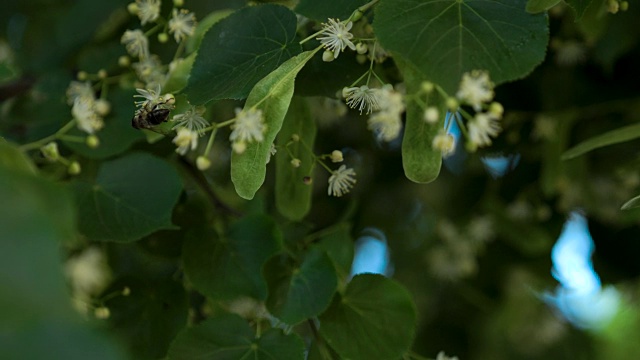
229	337
241	49
298	292
374	319
131	197
445	39
231	266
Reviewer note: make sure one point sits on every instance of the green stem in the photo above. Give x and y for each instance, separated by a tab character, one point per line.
324	165
210	142
179	50
72	138
39	143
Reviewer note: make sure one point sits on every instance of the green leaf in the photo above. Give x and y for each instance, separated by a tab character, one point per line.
620	135
272	95
322	10
12	158
298	292
420	161
537	6
631	204
445	39
132	196
229	337
117	135
37	319
578	6
240	50
230	266
193	42
338	244
151	316
374	319
293	196
179	76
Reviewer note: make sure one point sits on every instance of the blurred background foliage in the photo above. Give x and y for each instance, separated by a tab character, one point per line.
473	248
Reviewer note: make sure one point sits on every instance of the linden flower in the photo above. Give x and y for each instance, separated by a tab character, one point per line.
341	181
136	43
336	36
482	128
88	273
182	24
85	115
150	98
475	88
79	90
387	121
361	98
248	127
150	71
386	125
185	140
443	142
148	10
192	119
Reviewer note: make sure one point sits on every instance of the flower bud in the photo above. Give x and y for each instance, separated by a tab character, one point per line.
452	104
357	15
124	61
427	86
178	3
336	156
126	291
307	180
74	168
361	48
102	74
203	163
50	151
92	141
496	109
132	8
431	115
295	137
327	56
102	313
295	163
163	38
82	75
239	147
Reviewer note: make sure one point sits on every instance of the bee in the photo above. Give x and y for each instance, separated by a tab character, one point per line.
148	118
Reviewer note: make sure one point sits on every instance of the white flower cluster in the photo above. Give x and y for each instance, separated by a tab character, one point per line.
88	274
248	127
87	111
149	68
476	90
386	120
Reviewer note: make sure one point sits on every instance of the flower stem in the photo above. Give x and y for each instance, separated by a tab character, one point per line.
58	134
210	142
